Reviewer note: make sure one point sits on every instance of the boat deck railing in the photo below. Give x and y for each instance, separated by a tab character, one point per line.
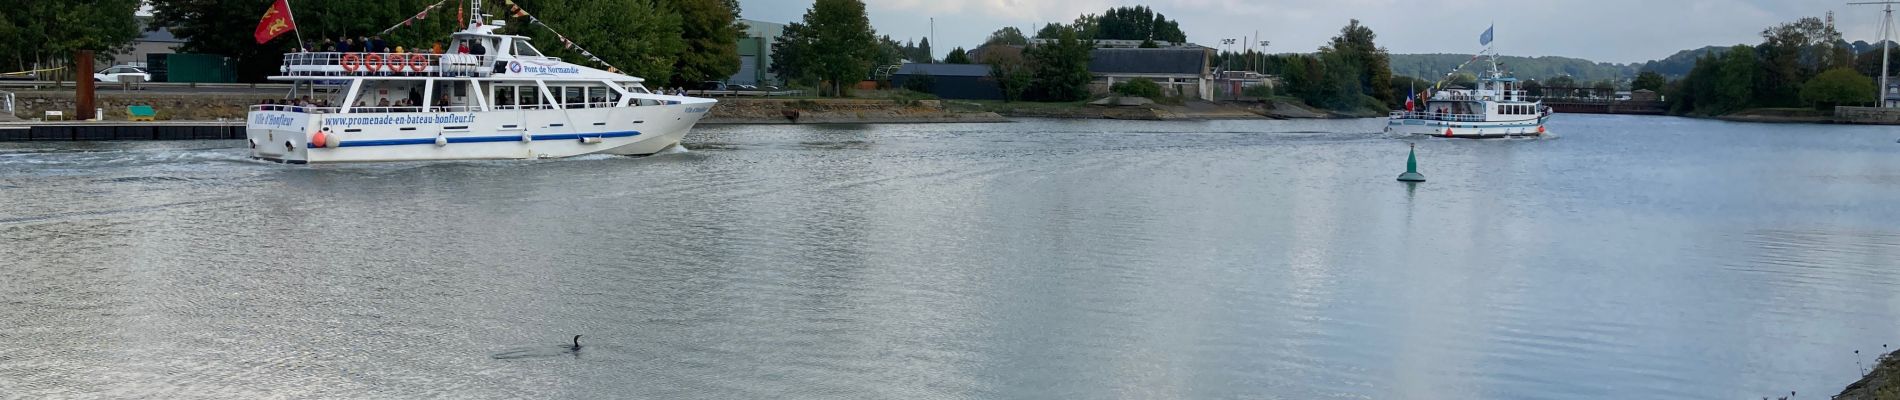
414	109
338	64
1472	95
1437	116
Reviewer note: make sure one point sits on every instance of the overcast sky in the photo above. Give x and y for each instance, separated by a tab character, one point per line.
1619	31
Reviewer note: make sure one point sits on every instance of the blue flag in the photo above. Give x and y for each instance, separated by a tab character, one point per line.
1485	39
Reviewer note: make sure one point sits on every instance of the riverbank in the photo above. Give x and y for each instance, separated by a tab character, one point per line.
1881	383
1142	109
841	111
1778	115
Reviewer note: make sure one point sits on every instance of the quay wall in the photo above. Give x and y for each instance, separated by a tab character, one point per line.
1867	115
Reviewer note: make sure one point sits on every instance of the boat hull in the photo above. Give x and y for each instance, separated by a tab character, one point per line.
1468	129
293	137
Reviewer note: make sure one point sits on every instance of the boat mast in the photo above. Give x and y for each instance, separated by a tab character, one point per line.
1886	47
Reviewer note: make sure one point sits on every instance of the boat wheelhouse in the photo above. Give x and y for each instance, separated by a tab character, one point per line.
488	96
1497	108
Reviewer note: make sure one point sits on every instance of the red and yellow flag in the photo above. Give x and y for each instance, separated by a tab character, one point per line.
276	21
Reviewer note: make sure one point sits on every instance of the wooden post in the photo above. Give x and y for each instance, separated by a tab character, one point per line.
83	76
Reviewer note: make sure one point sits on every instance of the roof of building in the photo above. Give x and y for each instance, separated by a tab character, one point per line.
161	35
945	69
1177	61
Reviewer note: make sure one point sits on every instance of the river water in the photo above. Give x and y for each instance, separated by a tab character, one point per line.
1629	257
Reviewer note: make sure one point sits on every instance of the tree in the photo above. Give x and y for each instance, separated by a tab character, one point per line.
1138	87
1009	35
641	38
711	32
1338	87
1124	23
207	27
1735	81
1366	63
835	44
793	58
1010	70
1791	53
924	55
957	56
1051	31
1561	86
1302	74
1838	86
1061	68
1648	80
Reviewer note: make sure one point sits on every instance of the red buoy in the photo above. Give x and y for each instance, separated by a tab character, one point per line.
1447	132
318	140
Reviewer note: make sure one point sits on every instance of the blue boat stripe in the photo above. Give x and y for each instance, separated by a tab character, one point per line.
482	139
383	142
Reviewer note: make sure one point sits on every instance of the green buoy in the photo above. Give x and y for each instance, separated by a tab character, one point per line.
1411	167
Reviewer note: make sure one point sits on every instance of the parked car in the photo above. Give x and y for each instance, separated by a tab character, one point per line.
122	73
710	85
747	87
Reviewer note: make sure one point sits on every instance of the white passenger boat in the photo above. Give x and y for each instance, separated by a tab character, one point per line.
1497	108
501	100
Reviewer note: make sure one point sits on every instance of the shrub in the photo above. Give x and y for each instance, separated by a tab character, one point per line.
1261	91
1138	87
921	83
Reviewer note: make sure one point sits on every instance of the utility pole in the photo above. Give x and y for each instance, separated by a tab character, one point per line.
1886	31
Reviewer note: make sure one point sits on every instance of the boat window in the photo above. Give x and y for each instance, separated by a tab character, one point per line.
504	97
596	95
522	48
574	97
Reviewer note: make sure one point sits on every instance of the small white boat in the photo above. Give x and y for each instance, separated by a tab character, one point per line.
501	100
1497	108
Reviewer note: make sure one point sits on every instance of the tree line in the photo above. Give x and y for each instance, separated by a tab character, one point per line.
44	34
676	42
1798	64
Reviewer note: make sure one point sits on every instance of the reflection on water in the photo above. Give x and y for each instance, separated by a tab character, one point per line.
1631	257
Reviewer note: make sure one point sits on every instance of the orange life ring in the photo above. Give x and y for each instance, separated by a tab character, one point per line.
417	62
395	63
373	61
351	62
